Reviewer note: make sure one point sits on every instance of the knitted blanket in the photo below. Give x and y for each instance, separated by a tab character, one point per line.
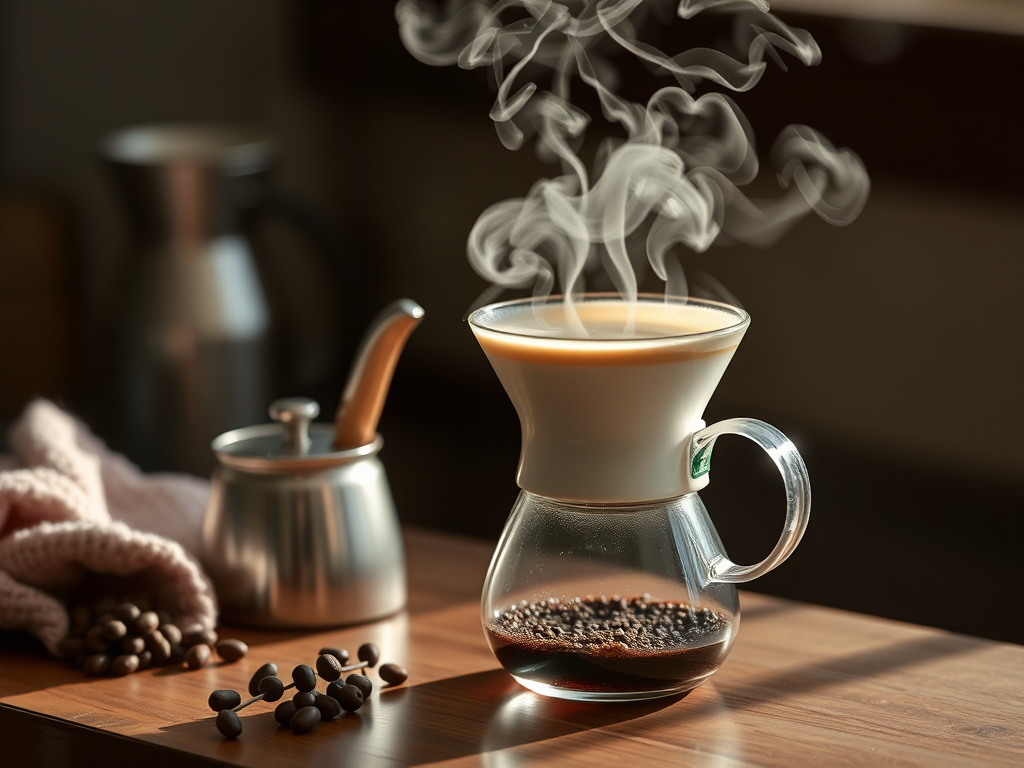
71	509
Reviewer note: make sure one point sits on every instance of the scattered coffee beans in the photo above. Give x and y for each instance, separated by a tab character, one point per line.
328	667
267	670
229	724
146	622
369	653
392	674
197	656
305	719
199	636
97	664
133	644
362	683
178	653
124	664
114	630
231	650
304	677
349	697
272	688
94	640
285	712
339	653
172	633
126	613
328	706
224	699
131	636
158	646
308	706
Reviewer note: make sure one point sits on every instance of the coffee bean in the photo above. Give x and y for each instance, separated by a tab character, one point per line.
95	642
173	634
229	724
145	659
392	674
328	667
271	687
369	653
231	650
125	664
334	687
70	647
304	677
267	670
197	656
114	630
103	618
349	697
329	707
178	653
97	664
165	617
147	622
158	646
284	712
225	698
305	719
133	644
304	699
127	613
362	683
339	653
202	636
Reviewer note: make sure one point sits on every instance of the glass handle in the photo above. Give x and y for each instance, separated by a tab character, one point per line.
794	475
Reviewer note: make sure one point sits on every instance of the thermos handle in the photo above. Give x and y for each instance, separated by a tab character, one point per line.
718	568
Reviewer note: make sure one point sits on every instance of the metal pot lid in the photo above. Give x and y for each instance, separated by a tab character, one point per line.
291	444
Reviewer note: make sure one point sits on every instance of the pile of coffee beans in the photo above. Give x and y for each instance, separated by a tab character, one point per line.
308	707
124	635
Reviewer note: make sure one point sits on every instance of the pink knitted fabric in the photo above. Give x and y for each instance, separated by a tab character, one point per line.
69	506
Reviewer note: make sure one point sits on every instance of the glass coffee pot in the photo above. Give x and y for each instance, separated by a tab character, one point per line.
609	582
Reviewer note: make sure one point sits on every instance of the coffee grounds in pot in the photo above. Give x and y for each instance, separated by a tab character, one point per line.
604	644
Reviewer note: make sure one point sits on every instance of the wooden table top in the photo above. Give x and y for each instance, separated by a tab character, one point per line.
803	685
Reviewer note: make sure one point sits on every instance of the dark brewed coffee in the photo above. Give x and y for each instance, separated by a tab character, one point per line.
609	645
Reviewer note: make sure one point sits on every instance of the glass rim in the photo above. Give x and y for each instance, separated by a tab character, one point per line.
740	314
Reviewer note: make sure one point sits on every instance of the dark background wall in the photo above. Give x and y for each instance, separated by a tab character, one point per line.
890	351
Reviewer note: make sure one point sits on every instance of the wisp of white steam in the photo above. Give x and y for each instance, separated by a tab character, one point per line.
677	170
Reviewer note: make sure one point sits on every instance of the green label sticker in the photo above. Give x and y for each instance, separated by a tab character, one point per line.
701	464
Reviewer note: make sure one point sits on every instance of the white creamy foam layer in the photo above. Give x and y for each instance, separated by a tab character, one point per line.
609	319
616	333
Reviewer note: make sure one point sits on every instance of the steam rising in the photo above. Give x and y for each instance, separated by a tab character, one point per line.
679	168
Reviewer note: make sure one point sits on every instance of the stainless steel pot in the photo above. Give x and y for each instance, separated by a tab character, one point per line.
298	533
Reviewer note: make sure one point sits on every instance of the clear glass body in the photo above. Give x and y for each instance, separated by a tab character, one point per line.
608	603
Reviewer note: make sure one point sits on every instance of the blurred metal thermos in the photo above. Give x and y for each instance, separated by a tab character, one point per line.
187	334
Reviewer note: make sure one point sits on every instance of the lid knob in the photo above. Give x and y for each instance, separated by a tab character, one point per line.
294	414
